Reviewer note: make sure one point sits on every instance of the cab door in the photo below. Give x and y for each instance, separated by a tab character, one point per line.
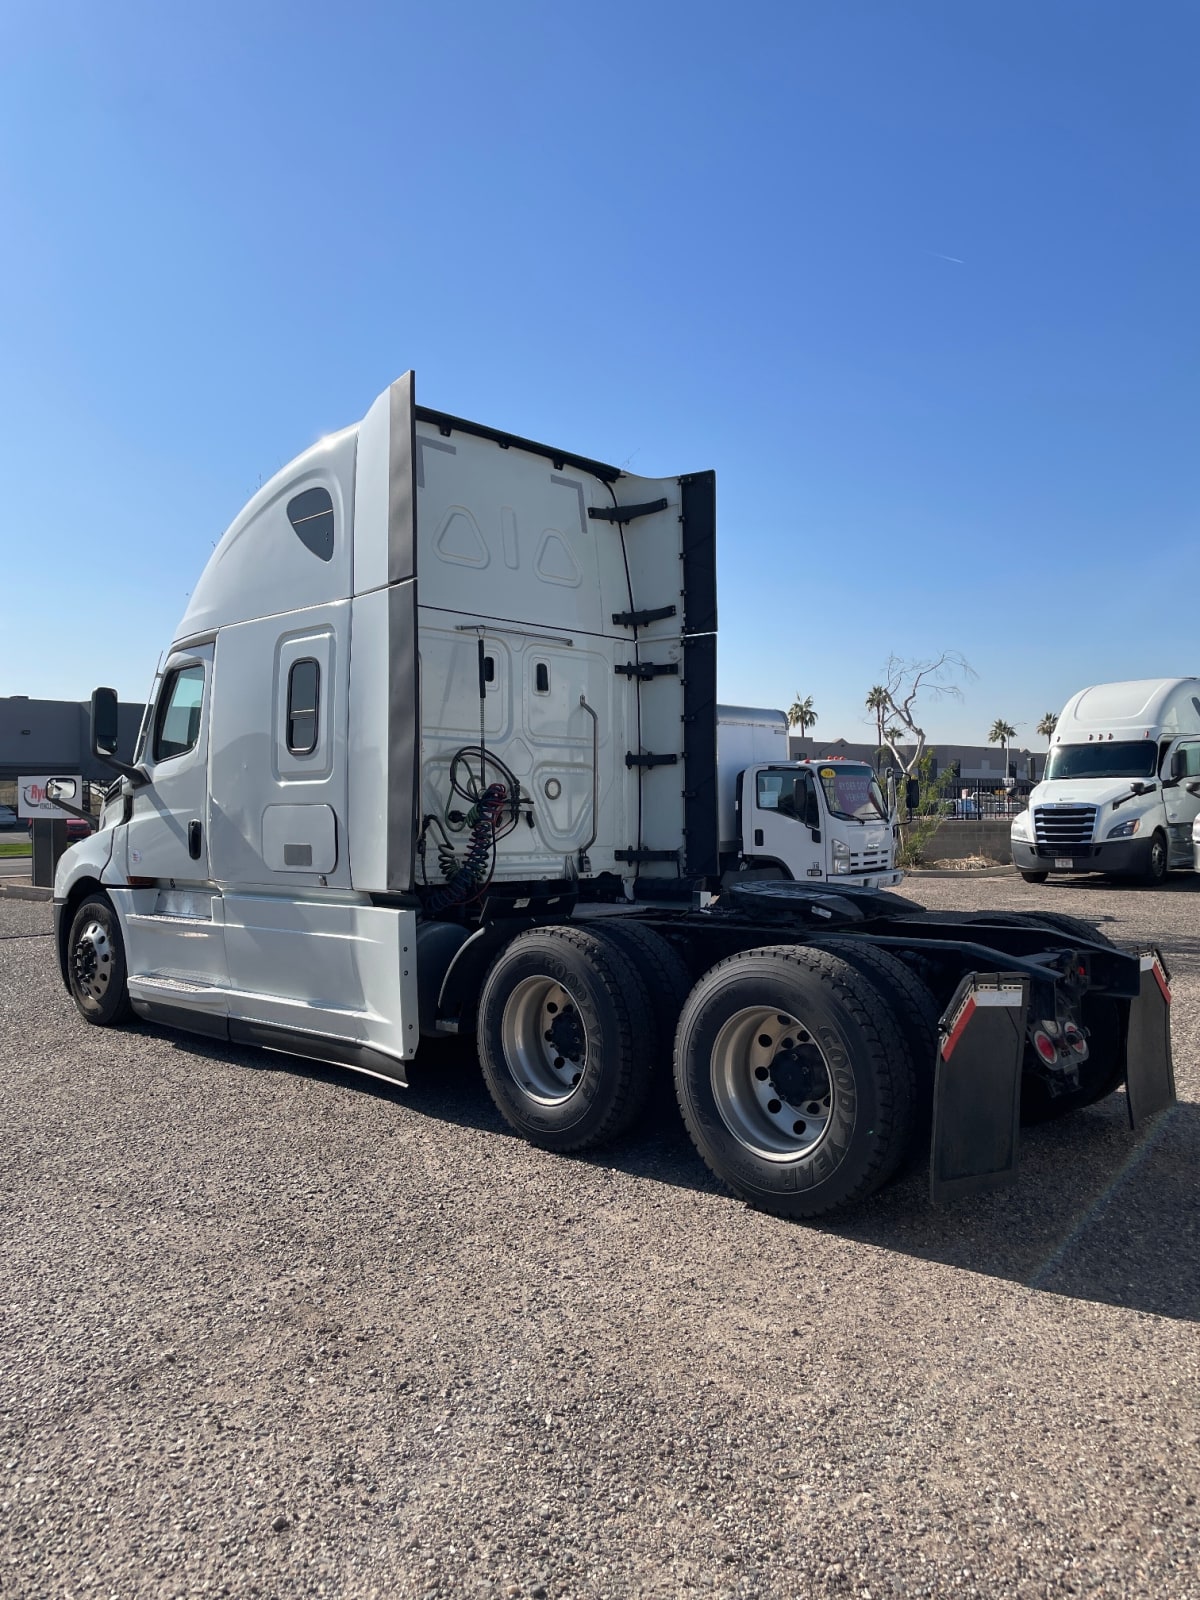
166	838
783	822
1181	806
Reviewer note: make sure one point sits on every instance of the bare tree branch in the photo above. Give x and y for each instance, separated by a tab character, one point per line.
905	682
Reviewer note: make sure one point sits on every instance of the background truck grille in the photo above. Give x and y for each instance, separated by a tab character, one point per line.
1064	826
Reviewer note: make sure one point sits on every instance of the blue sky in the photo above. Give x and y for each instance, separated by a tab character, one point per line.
918	279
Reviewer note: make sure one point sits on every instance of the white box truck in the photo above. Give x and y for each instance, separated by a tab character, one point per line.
1122	784
434	750
815	819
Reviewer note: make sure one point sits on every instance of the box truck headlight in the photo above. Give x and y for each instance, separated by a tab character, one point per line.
1022	827
841	856
1125	830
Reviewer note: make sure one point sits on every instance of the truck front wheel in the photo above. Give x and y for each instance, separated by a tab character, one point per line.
794	1079
1156	861
96	972
566	1038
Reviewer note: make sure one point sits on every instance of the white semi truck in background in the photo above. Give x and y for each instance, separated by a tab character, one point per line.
434	750
1121	789
824	819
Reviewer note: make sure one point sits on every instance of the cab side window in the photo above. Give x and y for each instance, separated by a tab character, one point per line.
303	706
177	721
1192	758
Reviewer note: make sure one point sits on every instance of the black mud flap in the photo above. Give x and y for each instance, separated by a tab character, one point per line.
977	1085
1149	1073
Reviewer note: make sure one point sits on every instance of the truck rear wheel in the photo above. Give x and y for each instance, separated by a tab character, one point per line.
667	979
565	1038
916	1012
96	971
793	1079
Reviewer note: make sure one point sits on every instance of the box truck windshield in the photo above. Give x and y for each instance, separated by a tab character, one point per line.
853	793
1127	759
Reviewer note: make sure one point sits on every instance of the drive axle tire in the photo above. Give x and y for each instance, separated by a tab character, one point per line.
566	1039
667	979
1035	877
794	1080
96	970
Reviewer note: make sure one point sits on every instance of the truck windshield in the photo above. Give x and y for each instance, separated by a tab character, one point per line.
1132	759
852	792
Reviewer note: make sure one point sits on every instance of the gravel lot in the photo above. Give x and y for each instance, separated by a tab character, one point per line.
270	1329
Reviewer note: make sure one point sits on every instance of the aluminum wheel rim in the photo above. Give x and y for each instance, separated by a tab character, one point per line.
772	1084
544	1040
92	960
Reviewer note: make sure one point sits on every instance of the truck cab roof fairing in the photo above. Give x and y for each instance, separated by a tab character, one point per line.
261	565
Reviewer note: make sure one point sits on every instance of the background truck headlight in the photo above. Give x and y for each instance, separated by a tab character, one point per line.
1124	830
841	856
1022	827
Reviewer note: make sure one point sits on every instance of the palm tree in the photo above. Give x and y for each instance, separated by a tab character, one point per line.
802	715
1047	726
1001	733
877	701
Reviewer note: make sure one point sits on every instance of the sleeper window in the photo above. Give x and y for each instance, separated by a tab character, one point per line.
311	515
177	724
303	706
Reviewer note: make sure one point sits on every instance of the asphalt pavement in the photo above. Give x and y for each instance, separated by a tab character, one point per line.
270	1329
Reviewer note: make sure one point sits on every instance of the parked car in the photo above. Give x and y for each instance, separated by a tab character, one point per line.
77	828
9	818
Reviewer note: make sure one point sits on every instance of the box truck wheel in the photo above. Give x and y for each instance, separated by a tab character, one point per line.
794	1080
1035	877
566	1038
96	963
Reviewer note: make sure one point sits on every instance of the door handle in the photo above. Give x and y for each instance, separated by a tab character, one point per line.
195	839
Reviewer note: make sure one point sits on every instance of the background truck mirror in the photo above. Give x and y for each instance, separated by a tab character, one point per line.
104	723
912	793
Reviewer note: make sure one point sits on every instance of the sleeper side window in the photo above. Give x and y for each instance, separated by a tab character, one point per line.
177	721
303	706
311	515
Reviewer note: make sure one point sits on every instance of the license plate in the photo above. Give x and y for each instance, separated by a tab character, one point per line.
1064	863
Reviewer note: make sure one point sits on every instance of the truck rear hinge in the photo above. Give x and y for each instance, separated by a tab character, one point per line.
648	669
638	619
647	855
625	513
646	759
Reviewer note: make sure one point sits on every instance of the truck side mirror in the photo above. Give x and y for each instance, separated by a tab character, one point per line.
60	789
912	793
105	724
812	812
1179	764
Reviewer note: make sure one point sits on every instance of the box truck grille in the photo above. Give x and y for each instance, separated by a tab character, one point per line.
1060	829
868	861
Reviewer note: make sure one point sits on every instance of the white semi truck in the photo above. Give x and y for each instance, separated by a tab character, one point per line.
1122	784
434	750
821	819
